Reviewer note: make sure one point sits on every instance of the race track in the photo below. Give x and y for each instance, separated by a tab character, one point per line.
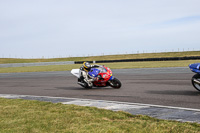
159	86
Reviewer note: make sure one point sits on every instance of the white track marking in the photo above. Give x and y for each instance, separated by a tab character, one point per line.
88	102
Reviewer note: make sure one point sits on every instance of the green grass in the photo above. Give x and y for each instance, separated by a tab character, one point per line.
107	57
121	65
25	116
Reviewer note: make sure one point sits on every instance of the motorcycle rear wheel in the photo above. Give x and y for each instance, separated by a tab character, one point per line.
196	85
115	83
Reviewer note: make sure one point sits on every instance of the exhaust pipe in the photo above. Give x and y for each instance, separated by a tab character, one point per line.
196	81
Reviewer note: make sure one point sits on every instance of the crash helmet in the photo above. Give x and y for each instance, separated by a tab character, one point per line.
86	65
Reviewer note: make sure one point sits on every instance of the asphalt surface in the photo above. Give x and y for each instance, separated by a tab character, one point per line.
158	86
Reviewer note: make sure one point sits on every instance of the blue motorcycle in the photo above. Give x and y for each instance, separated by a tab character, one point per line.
196	78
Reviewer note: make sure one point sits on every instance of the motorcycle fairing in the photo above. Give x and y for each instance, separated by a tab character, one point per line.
94	72
104	73
195	67
76	72
111	78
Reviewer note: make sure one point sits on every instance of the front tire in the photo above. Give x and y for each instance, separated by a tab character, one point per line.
115	83
196	85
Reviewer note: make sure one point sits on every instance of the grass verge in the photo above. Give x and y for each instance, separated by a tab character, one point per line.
19	116
106	57
121	65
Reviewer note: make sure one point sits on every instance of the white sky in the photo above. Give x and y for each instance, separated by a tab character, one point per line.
62	28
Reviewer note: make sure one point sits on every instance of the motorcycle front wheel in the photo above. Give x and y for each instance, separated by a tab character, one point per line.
196	81
115	83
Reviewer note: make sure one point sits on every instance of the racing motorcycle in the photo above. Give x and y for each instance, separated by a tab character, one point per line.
196	78
103	76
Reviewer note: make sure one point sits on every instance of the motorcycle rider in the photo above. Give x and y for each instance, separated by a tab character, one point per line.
85	68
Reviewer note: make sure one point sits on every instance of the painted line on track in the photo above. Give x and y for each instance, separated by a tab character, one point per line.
117	102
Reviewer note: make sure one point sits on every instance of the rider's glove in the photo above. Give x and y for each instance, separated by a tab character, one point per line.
95	65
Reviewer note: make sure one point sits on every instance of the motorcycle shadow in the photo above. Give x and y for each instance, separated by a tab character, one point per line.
174	92
81	88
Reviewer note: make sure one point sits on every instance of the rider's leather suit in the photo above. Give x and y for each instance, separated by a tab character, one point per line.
84	74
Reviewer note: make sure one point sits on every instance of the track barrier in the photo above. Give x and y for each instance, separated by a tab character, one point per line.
145	59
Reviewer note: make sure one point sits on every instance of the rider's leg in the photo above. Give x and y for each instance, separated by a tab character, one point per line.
86	79
84	74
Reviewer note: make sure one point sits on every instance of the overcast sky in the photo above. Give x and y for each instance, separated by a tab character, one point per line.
62	28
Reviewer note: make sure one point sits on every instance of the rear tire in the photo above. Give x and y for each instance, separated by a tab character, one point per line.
115	83
196	85
88	87
84	86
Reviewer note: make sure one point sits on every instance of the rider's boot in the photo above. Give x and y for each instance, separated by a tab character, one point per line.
89	83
